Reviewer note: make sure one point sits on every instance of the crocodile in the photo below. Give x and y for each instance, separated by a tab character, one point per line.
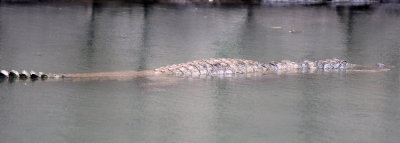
213	66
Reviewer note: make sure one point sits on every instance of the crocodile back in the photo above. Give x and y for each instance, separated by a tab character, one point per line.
215	66
220	66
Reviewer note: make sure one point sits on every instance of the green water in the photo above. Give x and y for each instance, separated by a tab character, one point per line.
303	108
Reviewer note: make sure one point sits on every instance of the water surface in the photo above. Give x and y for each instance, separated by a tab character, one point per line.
318	107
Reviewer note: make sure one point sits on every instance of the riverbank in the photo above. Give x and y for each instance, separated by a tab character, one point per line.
213	1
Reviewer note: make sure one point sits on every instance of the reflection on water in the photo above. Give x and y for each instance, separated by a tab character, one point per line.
74	38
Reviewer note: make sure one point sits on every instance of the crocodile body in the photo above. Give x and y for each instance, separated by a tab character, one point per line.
240	66
214	66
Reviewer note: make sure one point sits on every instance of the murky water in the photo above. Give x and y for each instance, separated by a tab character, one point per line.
76	38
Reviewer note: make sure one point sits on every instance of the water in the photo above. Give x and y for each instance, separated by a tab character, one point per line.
82	37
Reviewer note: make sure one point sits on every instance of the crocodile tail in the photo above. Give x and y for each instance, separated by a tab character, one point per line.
13	74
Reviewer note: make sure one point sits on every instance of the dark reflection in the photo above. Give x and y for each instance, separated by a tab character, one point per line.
390	104
389	11
144	48
392	9
232	48
12	80
250	13
248	30
1	35
142	82
221	98
88	51
346	16
94	8
248	33
312	108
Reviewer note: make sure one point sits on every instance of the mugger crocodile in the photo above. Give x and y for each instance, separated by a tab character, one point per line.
213	66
